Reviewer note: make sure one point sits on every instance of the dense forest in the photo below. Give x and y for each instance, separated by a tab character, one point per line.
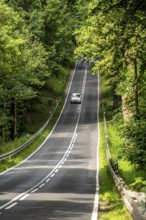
113	37
36	43
39	37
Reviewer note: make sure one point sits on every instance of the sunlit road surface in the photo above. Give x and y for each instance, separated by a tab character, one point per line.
59	181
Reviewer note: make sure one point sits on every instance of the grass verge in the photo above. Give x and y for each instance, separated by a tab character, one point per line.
134	177
111	206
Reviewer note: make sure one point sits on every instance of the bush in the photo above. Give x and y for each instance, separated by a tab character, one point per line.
135	134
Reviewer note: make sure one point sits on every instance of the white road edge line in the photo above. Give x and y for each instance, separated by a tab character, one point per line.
96	200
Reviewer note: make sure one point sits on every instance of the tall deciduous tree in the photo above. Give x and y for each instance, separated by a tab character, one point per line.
114	32
36	40
23	67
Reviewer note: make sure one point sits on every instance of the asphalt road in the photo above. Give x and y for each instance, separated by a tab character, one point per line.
59	180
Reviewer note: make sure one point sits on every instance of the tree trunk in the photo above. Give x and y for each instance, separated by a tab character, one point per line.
28	112
127	114
116	98
3	126
136	88
15	119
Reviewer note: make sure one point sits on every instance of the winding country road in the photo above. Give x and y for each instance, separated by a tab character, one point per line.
60	180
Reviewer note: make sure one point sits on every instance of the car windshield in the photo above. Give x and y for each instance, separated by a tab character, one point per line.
76	95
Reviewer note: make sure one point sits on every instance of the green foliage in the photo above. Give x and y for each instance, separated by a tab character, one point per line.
113	38
19	157
36	39
135	133
132	174
138	184
115	141
23	69
109	204
57	83
9	146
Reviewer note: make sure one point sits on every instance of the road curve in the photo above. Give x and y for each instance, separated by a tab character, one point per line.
59	180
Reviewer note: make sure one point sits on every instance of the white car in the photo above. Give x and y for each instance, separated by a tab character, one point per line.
76	98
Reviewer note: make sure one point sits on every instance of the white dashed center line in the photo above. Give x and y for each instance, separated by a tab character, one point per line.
41	185
47	180
34	190
52	175
12	205
24	197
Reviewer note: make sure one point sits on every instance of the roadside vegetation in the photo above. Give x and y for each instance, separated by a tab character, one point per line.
113	39
41	109
40	112
34	146
37	45
110	203
36	54
133	175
